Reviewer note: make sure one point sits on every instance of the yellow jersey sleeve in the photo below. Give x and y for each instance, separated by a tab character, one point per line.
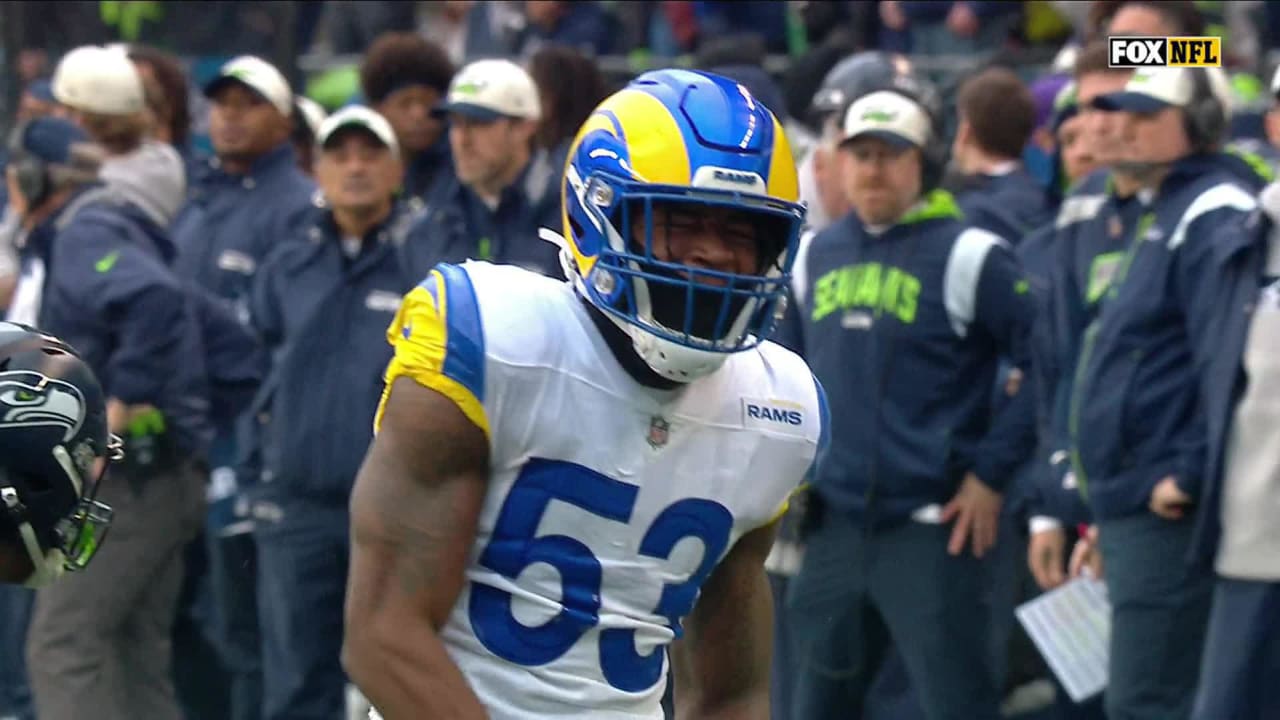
439	343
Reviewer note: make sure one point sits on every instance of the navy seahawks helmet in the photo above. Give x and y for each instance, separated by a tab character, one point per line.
53	430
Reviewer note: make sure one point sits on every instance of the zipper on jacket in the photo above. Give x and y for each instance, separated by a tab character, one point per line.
1086	350
1073	416
884	369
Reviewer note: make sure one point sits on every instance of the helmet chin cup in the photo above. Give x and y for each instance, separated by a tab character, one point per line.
673	361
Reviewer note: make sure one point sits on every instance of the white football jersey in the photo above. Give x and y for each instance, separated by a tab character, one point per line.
610	503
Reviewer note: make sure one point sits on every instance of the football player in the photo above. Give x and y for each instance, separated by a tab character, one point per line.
54	449
570	479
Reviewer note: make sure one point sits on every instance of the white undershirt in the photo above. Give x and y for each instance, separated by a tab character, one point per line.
1004	168
25	307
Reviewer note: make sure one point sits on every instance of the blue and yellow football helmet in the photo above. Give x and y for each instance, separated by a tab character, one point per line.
702	144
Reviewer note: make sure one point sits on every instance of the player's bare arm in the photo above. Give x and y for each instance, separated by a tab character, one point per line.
722	663
413	518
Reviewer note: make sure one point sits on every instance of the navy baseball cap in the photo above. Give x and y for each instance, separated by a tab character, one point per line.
49	139
41	90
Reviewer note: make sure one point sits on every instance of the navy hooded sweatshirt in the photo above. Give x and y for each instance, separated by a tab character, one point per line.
905	329
110	294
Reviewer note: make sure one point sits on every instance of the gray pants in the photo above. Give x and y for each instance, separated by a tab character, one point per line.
99	643
859	591
1159	612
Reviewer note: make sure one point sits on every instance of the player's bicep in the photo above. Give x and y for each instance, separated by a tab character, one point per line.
414	508
418	495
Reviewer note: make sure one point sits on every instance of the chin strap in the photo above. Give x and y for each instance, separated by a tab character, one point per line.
567	265
48	566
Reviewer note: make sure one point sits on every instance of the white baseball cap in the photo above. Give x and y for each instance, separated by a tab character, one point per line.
259	76
1151	89
310	112
101	80
358	116
887	115
492	89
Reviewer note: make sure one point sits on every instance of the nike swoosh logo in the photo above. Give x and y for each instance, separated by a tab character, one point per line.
108	262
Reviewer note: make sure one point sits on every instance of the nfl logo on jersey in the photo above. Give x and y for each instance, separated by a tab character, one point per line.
658	432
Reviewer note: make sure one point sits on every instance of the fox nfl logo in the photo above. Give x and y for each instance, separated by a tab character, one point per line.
1136	52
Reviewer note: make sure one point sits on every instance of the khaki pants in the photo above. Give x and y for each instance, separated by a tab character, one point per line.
99	643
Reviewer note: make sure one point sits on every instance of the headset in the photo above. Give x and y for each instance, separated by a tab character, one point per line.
1206	116
935	151
31	173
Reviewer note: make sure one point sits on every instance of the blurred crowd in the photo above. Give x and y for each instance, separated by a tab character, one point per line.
221	209
317	45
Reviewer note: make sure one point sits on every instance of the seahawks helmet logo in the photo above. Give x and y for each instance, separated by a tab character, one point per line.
29	399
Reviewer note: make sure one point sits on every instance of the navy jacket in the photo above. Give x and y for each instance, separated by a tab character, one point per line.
1135	414
231	222
1036	256
428	169
110	293
1093	229
1079	259
905	330
1238	263
1011	205
456	224
585	27
768	20
325	317
1262	159
223	233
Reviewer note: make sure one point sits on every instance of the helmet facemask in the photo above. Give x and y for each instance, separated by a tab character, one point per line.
685	317
54	544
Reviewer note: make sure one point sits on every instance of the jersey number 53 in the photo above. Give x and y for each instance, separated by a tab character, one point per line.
515	547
